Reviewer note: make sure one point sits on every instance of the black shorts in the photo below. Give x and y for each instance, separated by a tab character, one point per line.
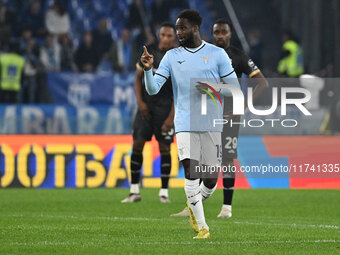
230	140
144	129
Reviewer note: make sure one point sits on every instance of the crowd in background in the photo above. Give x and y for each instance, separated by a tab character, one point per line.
46	34
43	38
45	41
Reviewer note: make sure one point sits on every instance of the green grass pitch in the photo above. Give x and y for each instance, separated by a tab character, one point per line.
85	221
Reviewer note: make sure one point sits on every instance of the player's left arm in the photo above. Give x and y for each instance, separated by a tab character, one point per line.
261	85
249	68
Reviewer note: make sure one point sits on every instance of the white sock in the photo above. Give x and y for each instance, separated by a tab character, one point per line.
193	193
163	193
134	188
226	207
206	192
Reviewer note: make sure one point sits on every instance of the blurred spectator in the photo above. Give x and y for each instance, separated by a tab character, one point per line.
11	66
34	18
57	19
291	62
139	24
50	54
66	54
19	5
87	57
102	38
27	42
123	53
30	50
6	24
137	15
160	11
256	46
33	67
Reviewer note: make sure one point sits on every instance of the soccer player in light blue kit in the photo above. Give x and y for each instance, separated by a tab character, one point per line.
198	140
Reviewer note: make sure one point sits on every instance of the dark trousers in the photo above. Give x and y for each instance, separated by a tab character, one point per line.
8	96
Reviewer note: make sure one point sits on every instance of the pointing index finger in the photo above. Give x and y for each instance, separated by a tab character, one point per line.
146	51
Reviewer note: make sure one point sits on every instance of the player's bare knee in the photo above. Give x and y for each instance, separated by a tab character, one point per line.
210	183
228	162
189	165
138	146
164	148
228	170
186	166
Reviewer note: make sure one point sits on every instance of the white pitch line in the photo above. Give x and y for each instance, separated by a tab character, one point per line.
242	242
108	218
49	243
82	217
41	227
290	225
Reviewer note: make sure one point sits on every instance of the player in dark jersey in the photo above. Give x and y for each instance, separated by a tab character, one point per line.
222	32
154	117
242	64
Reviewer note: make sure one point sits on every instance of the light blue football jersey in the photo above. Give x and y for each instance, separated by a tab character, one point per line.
186	67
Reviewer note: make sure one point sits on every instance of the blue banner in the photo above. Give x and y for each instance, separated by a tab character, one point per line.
92	88
65	119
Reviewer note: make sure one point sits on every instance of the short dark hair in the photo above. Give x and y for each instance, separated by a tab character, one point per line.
223	21
290	34
26	28
192	16
168	24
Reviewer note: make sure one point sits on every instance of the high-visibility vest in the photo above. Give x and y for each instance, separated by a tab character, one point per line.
12	66
292	65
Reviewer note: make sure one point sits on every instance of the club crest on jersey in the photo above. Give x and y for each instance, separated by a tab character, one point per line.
205	59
